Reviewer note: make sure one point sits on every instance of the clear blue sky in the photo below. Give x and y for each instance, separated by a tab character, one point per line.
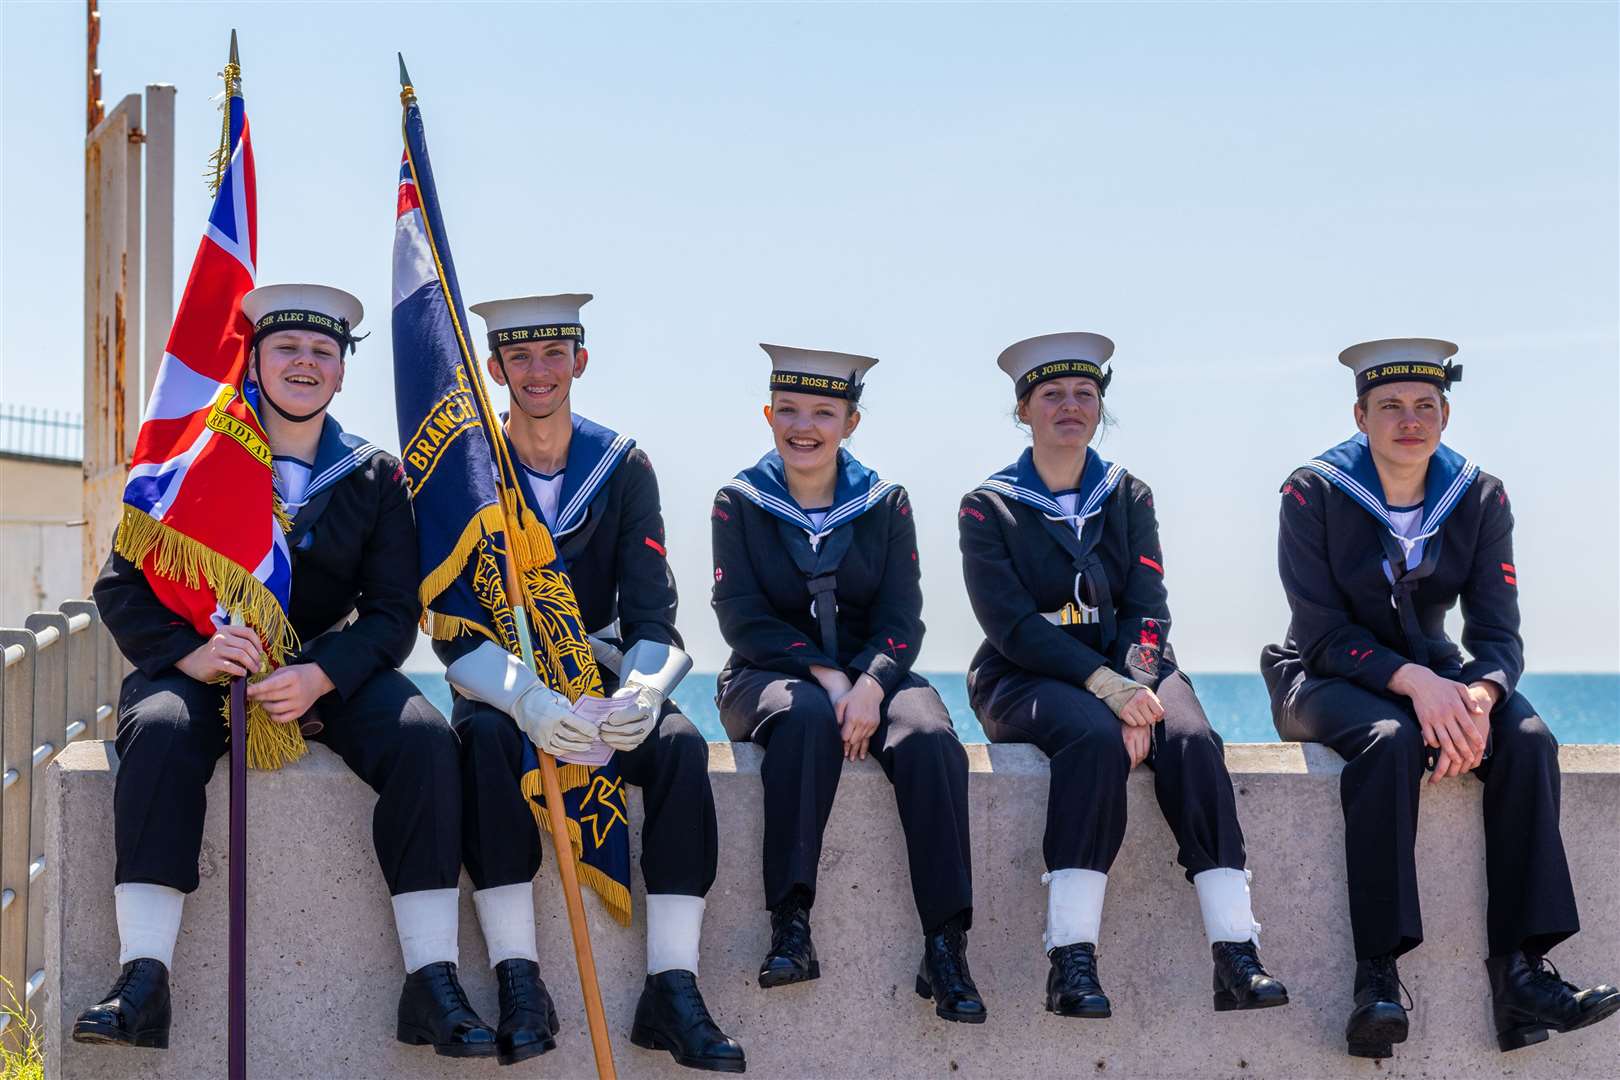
1232	192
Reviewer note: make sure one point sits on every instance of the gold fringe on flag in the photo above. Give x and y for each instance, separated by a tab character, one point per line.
177	557
615	897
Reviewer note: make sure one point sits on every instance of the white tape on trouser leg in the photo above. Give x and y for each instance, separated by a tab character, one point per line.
506	915
1223	897
426	921
674	925
1074	902
148	921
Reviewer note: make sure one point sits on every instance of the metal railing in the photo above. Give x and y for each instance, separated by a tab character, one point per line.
43	434
61	680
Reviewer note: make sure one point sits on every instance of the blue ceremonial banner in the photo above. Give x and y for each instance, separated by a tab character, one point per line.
463	487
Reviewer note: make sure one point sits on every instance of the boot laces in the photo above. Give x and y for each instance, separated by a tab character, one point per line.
1384	979
790	927
1075	964
948	956
1544	973
1243	960
451	987
696	1008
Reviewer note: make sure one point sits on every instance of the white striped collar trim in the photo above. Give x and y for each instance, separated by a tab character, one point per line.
791	513
572	515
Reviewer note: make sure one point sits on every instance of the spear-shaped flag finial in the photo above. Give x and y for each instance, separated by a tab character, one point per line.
234	58
407	92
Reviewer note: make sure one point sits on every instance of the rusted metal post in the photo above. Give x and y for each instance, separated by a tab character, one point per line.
93	109
112	244
157	273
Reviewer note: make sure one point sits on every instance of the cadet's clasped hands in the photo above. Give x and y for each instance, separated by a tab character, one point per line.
1455	718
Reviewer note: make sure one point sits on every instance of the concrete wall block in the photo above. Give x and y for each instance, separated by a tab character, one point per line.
325	969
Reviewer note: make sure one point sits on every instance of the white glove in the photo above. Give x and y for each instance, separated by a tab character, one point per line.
495	677
649	670
633	719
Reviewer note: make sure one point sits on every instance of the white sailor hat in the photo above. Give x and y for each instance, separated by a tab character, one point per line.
1057	356
1411	359
814	371
321	308
533	318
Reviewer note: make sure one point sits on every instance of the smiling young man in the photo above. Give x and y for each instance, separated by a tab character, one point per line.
597	494
354	607
1379	538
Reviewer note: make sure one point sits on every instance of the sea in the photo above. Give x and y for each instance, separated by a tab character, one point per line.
1580	708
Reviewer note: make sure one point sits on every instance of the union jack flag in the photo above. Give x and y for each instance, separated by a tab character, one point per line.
200	515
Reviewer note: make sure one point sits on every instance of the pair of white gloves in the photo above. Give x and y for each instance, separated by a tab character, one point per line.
648	673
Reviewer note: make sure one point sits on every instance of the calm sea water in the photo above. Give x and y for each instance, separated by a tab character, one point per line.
1578	708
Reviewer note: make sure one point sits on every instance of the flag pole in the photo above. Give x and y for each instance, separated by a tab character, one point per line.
236	965
517	598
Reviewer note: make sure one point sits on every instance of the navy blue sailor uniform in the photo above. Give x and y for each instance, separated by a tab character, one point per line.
354	606
1362	605
859	566
1060	595
609	531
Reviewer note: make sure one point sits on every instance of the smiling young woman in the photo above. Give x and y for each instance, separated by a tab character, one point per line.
1060	551
1380	536
817	590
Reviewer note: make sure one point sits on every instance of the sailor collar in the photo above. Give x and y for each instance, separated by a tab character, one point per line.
593	453
1020	482
765	485
1349	467
336	456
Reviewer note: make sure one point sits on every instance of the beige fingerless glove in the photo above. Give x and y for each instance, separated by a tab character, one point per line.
1112	688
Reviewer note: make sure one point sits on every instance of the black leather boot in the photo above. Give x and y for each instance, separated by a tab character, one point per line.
433	1009
944	976
1378	1020
1529	997
792	958
1072	988
135	1012
1241	981
671	1016
528	1018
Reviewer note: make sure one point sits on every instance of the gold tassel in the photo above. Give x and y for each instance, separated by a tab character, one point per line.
177	557
486	522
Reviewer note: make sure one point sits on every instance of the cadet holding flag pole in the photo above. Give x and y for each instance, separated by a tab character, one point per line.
247	502
597	493
487	565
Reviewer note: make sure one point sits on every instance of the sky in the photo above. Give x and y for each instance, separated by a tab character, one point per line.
1233	193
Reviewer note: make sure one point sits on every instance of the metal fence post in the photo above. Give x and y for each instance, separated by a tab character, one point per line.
17	765
84	690
50	735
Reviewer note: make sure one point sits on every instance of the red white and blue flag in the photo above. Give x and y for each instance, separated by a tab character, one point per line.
200	514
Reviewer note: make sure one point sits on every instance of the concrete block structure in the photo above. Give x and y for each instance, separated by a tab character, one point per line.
325	966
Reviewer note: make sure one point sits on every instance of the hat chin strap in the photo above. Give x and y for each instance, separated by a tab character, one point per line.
264	392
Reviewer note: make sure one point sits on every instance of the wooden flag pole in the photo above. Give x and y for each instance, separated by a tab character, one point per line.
557	815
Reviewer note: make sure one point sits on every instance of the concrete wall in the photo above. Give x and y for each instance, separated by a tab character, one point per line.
325	970
40	554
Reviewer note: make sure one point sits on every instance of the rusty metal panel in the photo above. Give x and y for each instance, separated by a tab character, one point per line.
16	799
157	273
112	244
